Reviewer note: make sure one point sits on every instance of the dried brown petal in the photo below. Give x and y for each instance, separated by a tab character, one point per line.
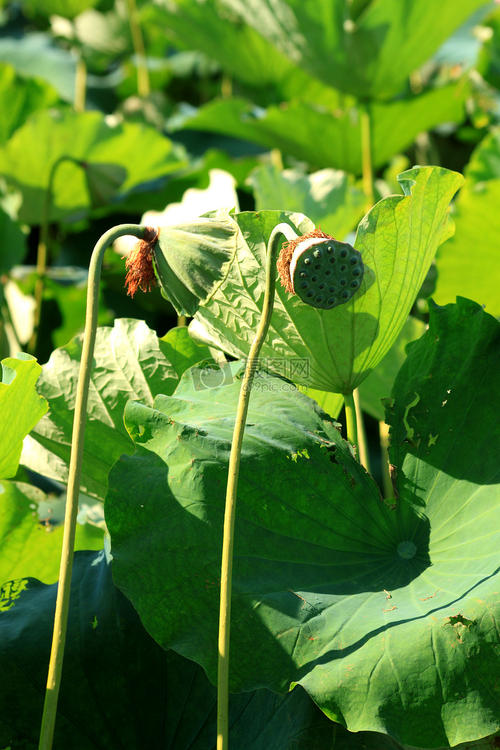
139	264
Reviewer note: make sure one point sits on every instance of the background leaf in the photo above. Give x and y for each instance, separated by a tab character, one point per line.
330	198
13	243
366	50
467	264
325	135
378	384
21	408
27	158
36	54
130	363
31	545
19	97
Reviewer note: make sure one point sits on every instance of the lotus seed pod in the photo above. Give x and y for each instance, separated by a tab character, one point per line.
322	271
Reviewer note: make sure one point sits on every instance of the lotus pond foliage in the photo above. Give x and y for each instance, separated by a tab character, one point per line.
249	475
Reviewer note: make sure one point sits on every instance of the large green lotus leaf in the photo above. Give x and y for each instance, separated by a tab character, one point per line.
130	363
21	408
19	97
384	612
378	384
329	136
367	49
137	695
467	264
31	546
330	198
27	158
334	350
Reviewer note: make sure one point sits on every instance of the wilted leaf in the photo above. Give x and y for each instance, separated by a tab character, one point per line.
335	350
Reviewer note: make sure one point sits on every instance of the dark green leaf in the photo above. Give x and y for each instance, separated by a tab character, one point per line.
65	8
121	690
13	243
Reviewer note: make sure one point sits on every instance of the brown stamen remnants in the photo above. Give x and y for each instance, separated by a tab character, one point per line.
139	264
285	256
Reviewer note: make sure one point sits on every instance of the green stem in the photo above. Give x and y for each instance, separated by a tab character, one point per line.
383	430
43	251
80	85
366	155
364	457
232	487
143	84
226	88
63	590
350	419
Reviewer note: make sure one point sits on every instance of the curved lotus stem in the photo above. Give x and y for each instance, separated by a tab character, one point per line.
75	466
232	486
